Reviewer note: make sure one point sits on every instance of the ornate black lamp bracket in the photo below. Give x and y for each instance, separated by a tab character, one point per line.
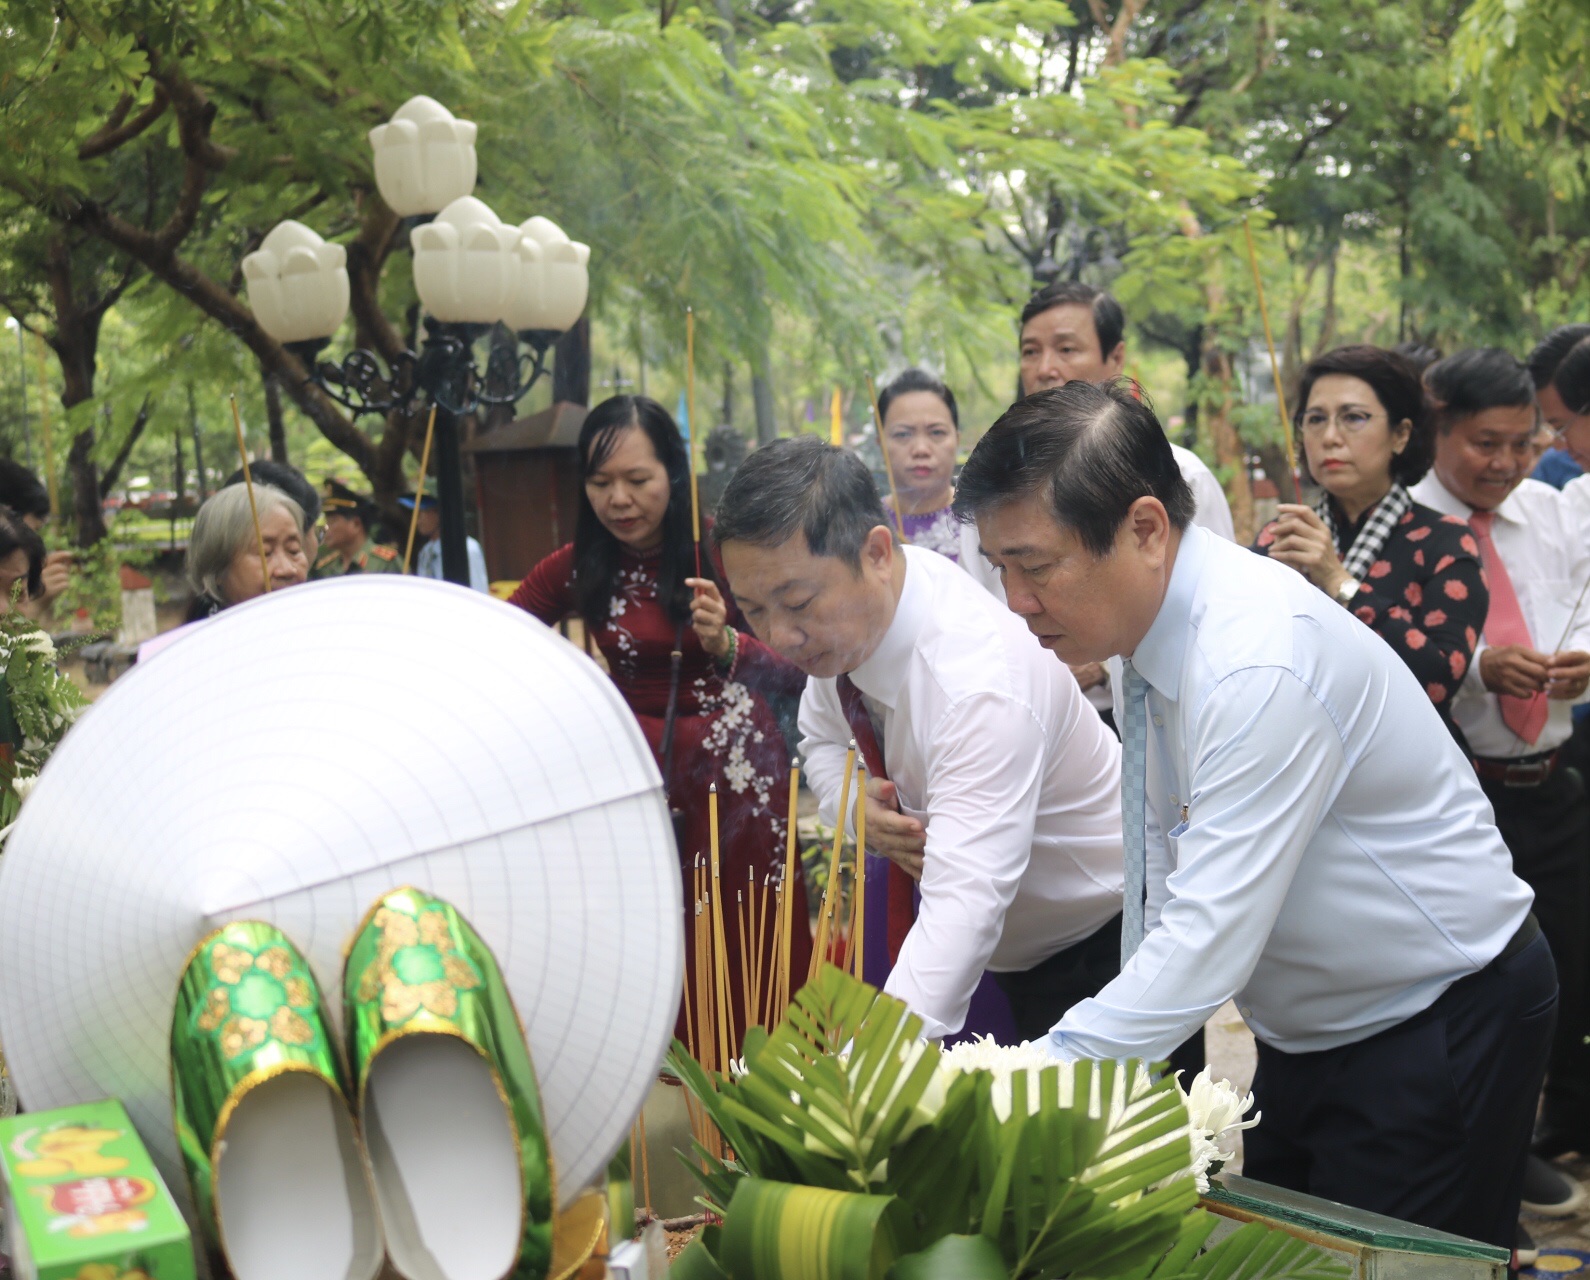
444	370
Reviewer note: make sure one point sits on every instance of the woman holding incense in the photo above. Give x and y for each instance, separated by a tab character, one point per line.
1409	573
921	436
631	576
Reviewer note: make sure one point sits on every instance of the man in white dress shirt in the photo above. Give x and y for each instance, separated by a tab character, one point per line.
1300	832
1072	330
986	740
1530	666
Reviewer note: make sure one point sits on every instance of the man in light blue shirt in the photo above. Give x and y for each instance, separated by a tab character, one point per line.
428	559
1300	832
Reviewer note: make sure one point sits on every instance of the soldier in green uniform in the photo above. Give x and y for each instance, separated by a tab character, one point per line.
348	546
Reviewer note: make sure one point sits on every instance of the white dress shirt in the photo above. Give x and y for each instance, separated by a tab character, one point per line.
990	745
428	563
1317	845
1542	543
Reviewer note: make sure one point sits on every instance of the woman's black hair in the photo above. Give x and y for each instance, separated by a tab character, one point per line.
1395	382
917	380
1572	377
16	535
1473	381
291	481
596	550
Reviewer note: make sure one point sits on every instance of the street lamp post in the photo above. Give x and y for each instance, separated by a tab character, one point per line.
471	271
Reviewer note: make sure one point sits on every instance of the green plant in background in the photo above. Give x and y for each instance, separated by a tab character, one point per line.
96	581
858	1156
38	706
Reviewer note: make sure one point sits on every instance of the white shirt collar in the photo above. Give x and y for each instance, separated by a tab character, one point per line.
882	676
1161	652
1432	493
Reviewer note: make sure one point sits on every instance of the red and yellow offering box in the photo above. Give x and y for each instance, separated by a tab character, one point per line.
84	1201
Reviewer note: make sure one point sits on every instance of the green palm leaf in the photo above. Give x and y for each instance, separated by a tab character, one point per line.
776	1231
953	1258
852	1110
1077	1170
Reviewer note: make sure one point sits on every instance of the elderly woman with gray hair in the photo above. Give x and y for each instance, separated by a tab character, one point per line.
224	552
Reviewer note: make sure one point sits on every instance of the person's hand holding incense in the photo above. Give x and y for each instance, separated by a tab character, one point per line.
1567	675
1303	541
709	616
1514	670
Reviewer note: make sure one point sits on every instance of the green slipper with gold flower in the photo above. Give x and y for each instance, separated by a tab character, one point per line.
262	1116
448	1098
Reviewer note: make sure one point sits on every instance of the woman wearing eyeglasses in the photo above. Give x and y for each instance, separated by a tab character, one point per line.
1411	574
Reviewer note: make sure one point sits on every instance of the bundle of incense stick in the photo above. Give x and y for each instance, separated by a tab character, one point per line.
833	891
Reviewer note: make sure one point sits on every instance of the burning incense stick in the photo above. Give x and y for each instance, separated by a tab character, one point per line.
832	891
743	929
419	490
690	420
248	480
720	945
791	870
858	913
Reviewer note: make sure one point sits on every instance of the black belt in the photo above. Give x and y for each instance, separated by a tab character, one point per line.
1519	771
1527	933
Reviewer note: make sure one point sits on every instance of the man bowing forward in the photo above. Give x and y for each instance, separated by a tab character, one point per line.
1300	832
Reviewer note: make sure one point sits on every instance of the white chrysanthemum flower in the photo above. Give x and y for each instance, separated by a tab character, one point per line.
23	785
1215	1110
40	643
1004	1061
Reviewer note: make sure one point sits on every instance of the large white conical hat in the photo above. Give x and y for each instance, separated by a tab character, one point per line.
299	755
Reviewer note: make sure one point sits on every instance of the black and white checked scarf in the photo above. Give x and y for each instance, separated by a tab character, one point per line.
1372	537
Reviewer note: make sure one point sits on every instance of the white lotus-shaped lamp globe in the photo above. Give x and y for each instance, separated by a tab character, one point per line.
553	280
424	157
466	263
297	284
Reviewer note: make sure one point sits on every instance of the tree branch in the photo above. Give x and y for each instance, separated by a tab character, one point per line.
150	251
113	133
366	256
1314	135
107	482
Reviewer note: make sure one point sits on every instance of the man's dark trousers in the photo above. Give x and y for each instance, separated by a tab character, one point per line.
1040	996
1547	830
1429	1120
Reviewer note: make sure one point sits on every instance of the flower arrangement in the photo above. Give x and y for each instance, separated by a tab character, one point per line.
857	1151
39	706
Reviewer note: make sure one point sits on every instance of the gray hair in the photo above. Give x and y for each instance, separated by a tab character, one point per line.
225	526
804	485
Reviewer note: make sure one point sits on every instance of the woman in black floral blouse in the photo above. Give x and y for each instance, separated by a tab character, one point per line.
1409	573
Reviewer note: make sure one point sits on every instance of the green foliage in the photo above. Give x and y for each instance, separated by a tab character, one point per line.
95	583
845	1132
40	706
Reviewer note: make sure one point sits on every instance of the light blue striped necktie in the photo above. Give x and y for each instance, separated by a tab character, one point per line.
1134	775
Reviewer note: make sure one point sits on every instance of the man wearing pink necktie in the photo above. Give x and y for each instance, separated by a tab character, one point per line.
1515	706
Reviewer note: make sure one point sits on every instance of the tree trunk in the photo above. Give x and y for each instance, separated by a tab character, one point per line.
273	417
1229	451
107	481
1327	323
88	518
762	398
571	365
